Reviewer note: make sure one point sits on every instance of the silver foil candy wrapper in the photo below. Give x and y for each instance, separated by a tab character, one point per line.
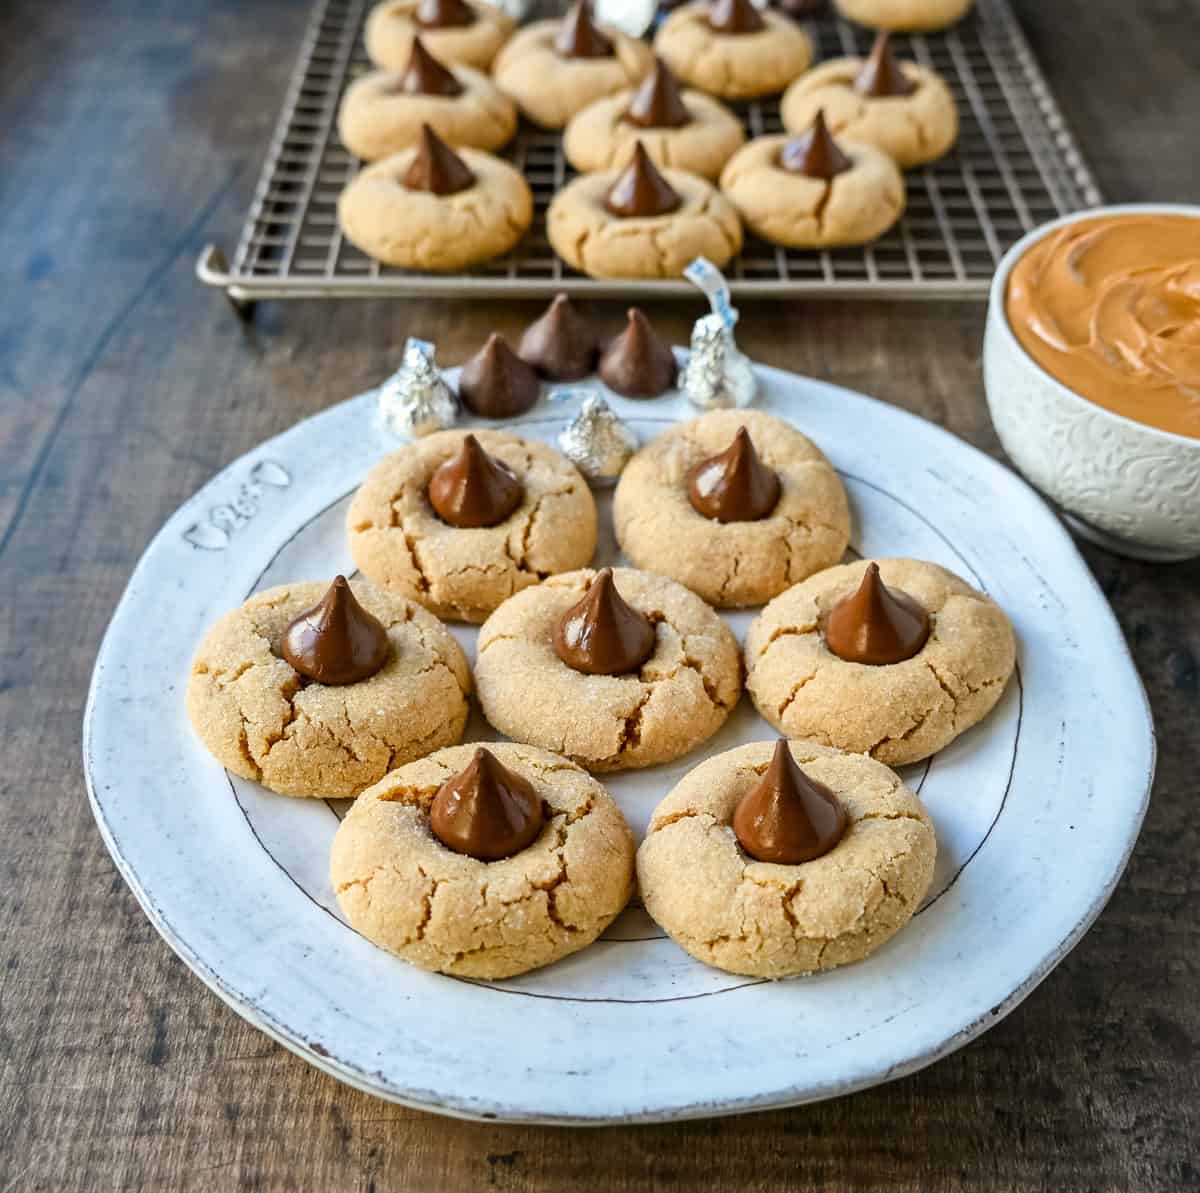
717	375
415	400
597	441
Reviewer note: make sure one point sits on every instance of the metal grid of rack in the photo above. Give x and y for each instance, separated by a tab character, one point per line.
1015	166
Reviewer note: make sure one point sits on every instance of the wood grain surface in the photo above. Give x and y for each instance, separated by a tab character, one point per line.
130	134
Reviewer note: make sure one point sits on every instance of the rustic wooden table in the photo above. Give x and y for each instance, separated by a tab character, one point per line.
131	133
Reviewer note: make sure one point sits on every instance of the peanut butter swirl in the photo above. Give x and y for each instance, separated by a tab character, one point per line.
1111	308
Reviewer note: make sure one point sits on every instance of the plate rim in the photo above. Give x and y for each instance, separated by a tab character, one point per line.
494	1109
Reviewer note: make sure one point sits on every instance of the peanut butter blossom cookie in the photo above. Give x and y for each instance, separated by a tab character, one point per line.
320	691
730	49
483	862
777	860
383	112
435	209
459	522
614	669
810	192
554	69
737	505
900	108
641	222
685	129
469	32
913	16
893	658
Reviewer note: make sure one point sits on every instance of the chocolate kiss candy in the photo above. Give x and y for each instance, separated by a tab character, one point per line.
638	363
881	74
437	168
474	489
734	16
640	190
602	634
815	153
425	75
786	817
336	641
657	103
486	811
561	345
877	625
496	382
735	486
578	36
444	14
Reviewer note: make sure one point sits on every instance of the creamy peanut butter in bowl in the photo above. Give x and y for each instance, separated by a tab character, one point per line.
1092	371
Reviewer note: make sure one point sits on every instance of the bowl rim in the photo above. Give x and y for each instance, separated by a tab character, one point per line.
997	317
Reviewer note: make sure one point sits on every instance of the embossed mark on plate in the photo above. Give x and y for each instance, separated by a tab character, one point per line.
227	519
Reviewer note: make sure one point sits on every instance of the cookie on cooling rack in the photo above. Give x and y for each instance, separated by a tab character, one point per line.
812	192
432	208
554	69
901	108
905	16
469	32
383	112
730	49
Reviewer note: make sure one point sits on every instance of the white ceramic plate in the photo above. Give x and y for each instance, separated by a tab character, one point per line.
1036	811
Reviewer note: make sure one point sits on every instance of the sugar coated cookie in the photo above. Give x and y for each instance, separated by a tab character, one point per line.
263	719
400	541
913	16
772	920
788	207
685	129
901	108
740	59
470	32
552	73
444	910
677	696
378	118
435	209
898	712
737	562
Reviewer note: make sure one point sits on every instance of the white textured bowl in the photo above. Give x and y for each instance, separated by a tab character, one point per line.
1132	488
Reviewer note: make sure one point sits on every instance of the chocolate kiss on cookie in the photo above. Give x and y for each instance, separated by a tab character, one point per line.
561	345
496	382
815	153
473	488
640	190
603	634
486	811
734	486
876	625
658	103
444	14
425	75
336	641
638	363
881	75
436	168
578	36
734	16
786	817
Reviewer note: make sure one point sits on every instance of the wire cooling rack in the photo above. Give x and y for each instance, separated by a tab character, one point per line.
1015	166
